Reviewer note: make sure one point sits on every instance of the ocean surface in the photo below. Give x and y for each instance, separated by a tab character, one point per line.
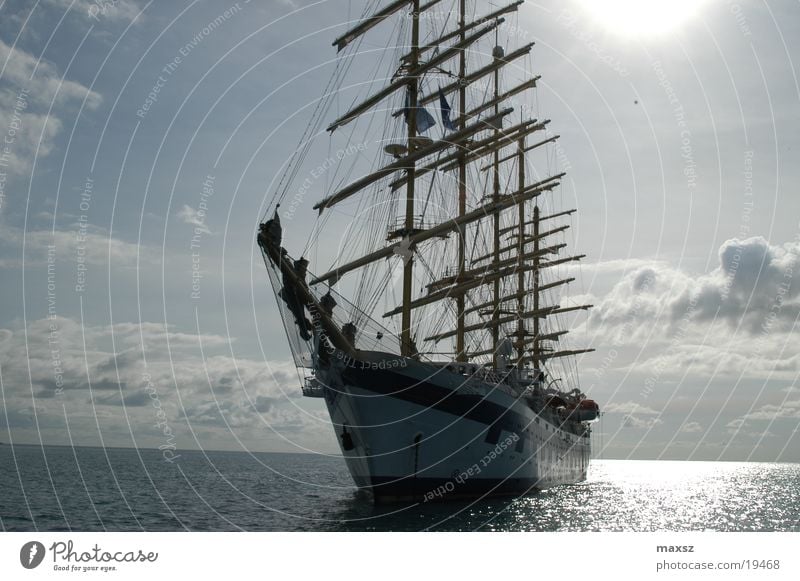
83	489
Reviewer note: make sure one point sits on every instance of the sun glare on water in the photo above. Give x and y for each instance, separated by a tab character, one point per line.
642	18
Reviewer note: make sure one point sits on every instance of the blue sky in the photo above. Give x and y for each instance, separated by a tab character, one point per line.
145	140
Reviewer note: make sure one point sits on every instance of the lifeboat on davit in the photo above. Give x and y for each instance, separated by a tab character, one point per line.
555	401
587	410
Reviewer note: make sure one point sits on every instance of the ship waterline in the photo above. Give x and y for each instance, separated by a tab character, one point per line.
414	431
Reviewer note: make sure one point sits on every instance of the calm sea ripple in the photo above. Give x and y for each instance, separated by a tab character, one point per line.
95	489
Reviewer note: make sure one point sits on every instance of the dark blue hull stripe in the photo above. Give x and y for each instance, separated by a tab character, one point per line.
430	395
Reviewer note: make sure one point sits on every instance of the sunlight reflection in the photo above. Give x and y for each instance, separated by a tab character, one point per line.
622	495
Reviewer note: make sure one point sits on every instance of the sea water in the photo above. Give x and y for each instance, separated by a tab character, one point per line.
93	489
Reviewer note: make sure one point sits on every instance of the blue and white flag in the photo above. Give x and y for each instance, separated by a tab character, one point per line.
424	119
444	106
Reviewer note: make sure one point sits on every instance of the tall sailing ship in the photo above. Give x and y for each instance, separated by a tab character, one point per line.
445	374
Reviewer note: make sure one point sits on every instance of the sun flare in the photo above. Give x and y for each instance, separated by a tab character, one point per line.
642	18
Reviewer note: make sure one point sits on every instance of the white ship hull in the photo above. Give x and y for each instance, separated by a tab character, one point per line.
412	431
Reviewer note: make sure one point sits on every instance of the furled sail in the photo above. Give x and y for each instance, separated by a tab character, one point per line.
447	238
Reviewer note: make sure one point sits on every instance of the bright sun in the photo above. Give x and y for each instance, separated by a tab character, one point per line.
642	17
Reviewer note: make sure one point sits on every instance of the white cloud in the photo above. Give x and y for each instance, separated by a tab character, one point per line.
614	266
735	424
192	217
45	366
691	428
96	247
740	428
96	11
630	421
753	282
721	357
751	286
28	88
30	133
629	407
736	321
787	409
41	79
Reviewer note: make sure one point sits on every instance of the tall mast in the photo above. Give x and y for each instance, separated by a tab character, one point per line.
407	348
461	352
536	350
521	274
476	134
497	53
